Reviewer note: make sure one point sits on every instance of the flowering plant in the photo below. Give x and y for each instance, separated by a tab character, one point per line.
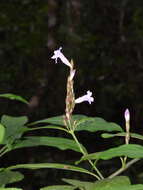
13	128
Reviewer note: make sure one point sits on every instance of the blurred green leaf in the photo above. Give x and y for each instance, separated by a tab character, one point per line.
7	177
2	133
10	188
78	183
58	142
116	183
14	97
14	127
105	184
118	187
129	150
111	184
58	187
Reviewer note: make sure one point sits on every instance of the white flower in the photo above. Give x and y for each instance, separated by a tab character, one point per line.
88	97
127	115
59	54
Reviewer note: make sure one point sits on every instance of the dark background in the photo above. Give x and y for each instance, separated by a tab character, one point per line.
105	40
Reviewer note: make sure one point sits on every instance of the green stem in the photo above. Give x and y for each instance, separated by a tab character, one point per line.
84	153
4	152
122	169
3	148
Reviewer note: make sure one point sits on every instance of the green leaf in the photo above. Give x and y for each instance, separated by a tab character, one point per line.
96	124
47	127
100	185
58	187
14	127
116	183
117	187
129	150
13	97
58	142
108	135
2	133
131	187
133	135
78	183
9	188
50	165
7	177
91	124
111	184
58	120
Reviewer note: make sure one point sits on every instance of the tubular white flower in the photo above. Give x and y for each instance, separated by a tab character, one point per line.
60	55
127	115
88	97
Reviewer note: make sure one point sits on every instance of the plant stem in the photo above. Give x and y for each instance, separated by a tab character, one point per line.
122	169
84	153
2	149
2	153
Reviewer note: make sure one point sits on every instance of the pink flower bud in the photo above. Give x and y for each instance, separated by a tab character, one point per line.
127	115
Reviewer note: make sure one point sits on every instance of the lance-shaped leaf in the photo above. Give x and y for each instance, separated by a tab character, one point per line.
58	142
7	177
132	135
51	165
129	150
14	97
83	123
47	127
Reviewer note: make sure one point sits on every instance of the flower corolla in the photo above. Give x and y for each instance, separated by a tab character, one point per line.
60	55
88	97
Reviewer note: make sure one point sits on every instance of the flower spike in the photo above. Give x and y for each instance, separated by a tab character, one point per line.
60	55
72	73
88	97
